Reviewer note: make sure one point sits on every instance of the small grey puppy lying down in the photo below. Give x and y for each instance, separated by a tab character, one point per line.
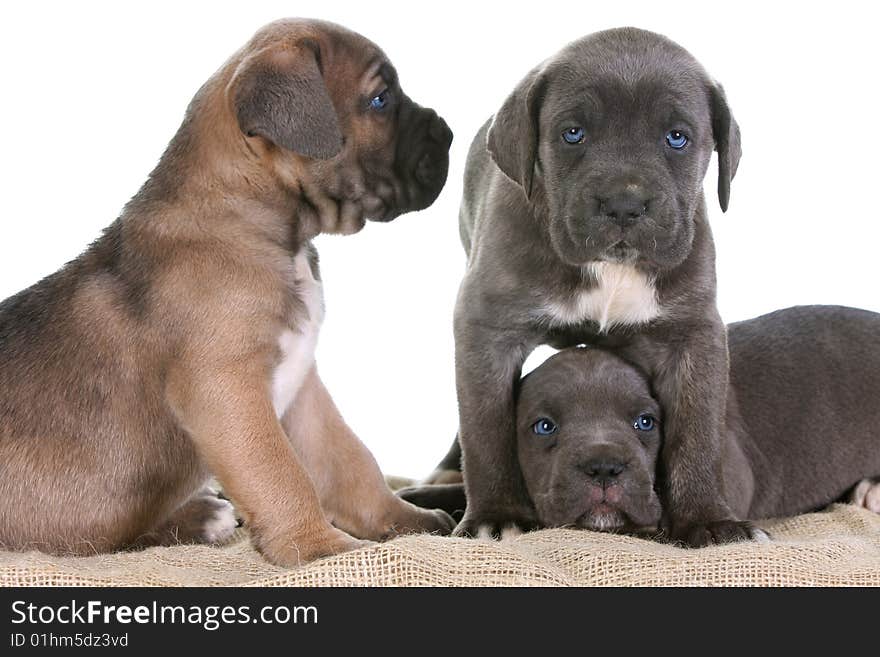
801	426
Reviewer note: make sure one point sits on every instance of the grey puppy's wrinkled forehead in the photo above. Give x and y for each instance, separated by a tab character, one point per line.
623	52
609	68
584	381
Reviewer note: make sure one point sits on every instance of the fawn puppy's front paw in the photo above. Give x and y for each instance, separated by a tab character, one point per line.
299	550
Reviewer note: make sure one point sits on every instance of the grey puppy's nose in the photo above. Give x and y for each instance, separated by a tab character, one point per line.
603	470
624	208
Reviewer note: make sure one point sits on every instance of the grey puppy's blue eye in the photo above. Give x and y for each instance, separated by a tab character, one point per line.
574	135
676	139
645	422
544	427
379	102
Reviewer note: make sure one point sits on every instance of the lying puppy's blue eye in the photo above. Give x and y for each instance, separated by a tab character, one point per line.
574	135
379	102
676	139
544	427
645	422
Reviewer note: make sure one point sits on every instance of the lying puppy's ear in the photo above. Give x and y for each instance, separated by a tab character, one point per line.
513	135
281	96
727	142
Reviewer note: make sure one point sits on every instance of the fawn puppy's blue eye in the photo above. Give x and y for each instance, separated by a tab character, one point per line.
574	135
379	102
544	427
676	139
645	422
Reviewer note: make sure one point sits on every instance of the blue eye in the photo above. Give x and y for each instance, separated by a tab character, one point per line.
676	139
379	102
544	427
645	422
574	135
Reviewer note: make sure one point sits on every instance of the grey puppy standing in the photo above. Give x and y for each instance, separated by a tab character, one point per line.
584	221
800	428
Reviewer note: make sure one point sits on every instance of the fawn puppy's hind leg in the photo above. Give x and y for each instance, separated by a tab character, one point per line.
353	492
204	518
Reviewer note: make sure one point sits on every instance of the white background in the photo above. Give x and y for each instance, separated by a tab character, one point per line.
91	92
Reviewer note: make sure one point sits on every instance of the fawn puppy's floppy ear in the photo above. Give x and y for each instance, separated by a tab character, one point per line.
280	95
513	136
727	142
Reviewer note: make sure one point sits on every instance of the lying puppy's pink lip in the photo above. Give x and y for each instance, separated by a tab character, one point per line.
601	517
611	493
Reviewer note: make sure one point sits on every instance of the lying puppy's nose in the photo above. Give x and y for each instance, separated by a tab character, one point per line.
602	470
624	208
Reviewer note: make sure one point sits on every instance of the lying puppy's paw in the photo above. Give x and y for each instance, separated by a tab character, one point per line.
496	526
697	535
866	494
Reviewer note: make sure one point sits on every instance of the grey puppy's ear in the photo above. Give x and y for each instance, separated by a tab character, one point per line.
513	136
727	142
281	96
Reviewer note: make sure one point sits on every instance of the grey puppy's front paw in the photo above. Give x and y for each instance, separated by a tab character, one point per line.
703	534
495	525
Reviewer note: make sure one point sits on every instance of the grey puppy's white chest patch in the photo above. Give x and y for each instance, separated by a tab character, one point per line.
622	296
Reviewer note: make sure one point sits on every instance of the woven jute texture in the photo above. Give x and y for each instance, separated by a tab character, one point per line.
837	547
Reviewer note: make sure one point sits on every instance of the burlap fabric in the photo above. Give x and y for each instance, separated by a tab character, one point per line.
837	547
